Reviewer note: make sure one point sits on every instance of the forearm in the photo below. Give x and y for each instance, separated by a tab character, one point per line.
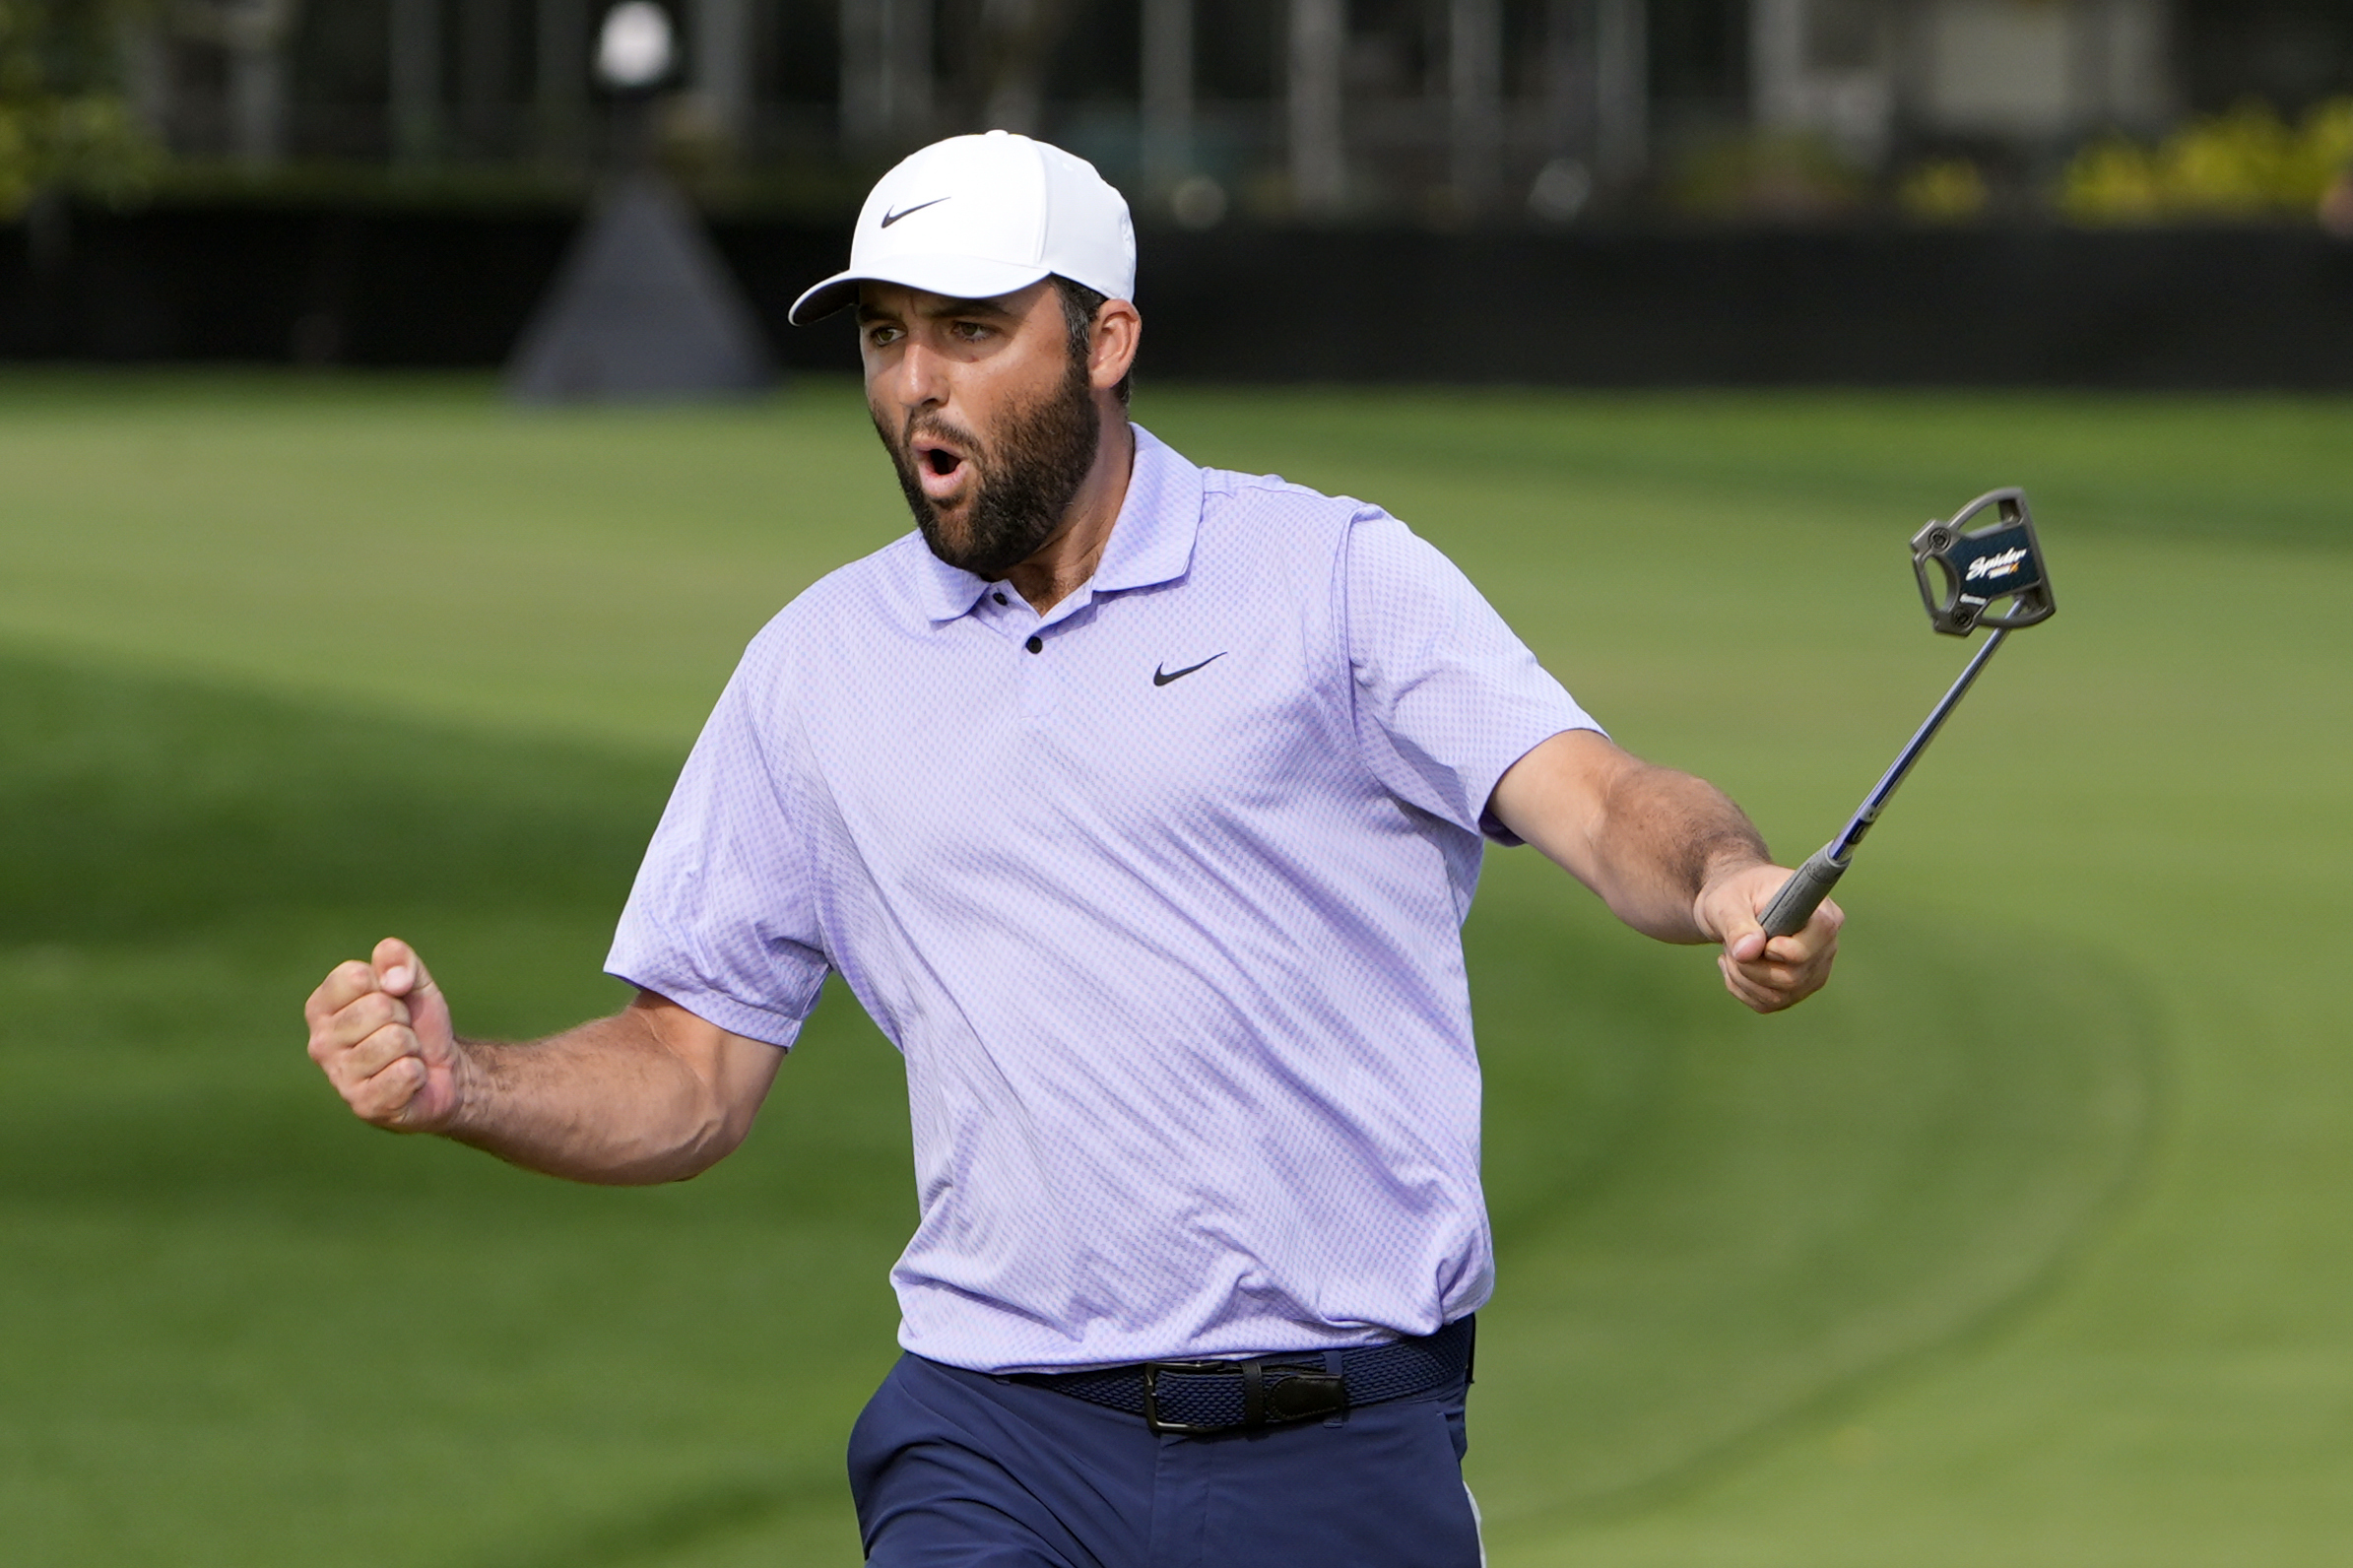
607	1102
1672	855
1661	837
1647	839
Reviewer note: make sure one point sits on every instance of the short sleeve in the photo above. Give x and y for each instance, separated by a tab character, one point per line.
722	919
1447	698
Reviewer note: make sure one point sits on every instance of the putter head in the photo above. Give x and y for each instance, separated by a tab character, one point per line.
1996	560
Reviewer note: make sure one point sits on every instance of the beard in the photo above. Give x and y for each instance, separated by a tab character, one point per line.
1022	482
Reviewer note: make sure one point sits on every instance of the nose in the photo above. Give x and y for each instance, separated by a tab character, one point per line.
919	380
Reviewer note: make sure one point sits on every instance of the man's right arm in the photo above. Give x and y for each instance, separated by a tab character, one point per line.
653	1093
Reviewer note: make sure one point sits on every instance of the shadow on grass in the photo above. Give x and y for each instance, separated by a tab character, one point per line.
138	809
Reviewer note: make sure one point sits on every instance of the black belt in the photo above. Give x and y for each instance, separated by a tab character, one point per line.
1201	1397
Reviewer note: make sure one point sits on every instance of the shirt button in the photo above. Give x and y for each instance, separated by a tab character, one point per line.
999	598
1036	645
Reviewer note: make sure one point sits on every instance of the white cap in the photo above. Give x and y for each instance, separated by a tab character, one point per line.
975	216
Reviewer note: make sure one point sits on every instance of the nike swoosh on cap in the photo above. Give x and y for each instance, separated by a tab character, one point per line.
892	218
1161	678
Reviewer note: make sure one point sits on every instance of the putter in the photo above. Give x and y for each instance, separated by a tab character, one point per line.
1999	560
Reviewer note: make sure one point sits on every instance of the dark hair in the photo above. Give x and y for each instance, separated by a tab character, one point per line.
1078	306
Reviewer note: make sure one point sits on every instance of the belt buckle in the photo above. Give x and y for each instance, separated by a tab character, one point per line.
1264	1403
1151	1396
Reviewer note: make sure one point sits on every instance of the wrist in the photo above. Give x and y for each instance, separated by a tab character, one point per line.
1730	861
467	1110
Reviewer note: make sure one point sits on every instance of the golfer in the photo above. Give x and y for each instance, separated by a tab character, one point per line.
1140	805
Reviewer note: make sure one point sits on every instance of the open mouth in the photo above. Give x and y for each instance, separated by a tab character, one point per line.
940	467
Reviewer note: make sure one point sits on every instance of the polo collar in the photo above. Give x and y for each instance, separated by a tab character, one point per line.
1151	540
948	592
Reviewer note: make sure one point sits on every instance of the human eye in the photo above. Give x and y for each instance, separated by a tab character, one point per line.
882	334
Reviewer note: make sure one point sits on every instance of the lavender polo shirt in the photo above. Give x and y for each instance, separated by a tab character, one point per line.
1160	897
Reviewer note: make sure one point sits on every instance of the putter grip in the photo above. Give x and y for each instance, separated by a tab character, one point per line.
1802	894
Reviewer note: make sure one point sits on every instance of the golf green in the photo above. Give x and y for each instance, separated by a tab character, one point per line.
2024	1243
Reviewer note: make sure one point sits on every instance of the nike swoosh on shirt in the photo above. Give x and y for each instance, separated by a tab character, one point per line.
1161	678
892	218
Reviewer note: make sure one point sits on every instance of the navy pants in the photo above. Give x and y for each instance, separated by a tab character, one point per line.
959	1470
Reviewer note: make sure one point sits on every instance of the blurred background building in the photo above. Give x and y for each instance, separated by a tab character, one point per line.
1670	191
1450	111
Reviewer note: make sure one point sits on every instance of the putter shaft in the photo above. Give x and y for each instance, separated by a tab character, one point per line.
1806	889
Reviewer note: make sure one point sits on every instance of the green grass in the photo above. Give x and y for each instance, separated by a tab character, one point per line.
2022	1244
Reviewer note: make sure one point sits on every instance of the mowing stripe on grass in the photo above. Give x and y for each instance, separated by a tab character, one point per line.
207	1272
1706	1223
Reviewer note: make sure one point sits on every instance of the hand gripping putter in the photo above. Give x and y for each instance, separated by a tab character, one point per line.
1997	560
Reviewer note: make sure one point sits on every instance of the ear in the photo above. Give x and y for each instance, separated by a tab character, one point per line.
1117	329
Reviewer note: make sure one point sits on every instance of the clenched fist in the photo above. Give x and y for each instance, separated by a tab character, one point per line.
380	1031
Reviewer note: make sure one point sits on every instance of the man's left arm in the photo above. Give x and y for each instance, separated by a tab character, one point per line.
1671	855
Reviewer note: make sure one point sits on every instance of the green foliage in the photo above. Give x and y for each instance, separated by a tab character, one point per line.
63	124
1768	175
1944	190
2247	164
